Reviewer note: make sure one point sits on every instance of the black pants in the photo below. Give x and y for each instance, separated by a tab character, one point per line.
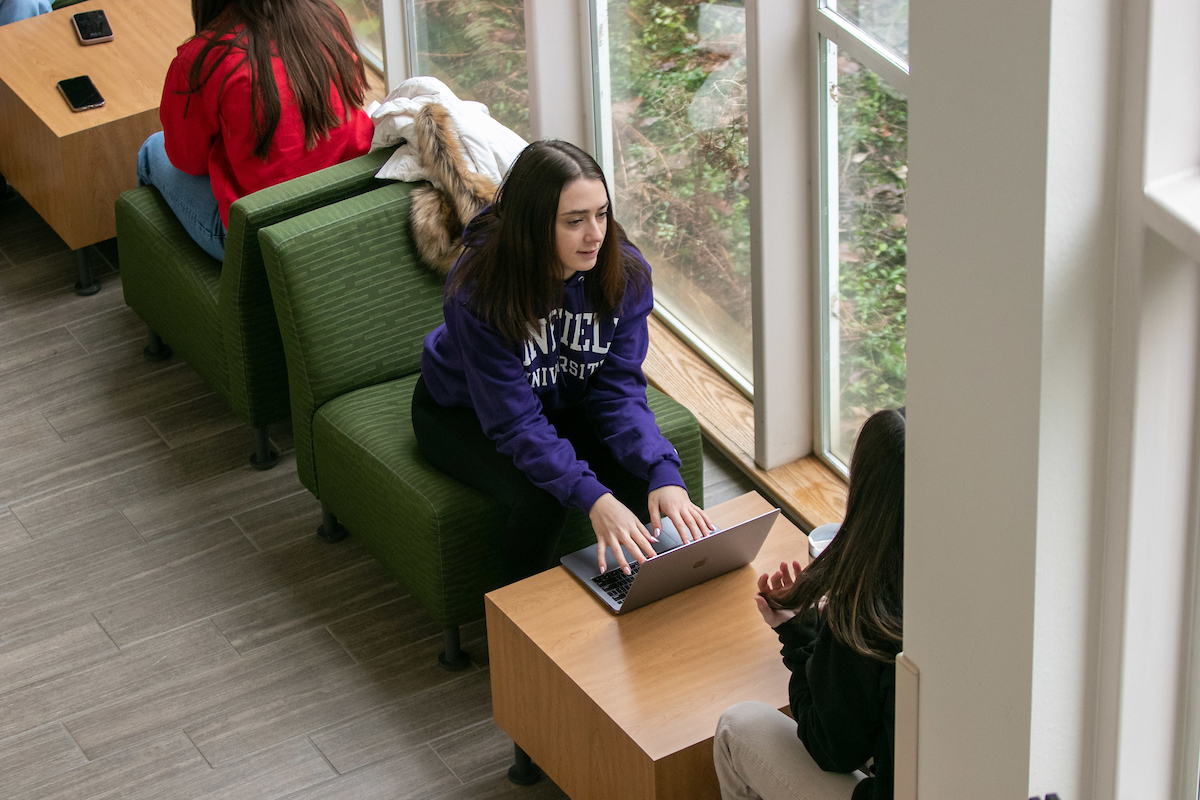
453	440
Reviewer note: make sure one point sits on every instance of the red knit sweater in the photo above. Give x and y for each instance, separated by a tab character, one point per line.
211	133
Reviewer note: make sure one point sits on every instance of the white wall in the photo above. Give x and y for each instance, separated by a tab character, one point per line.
1054	350
977	161
1081	213
1015	123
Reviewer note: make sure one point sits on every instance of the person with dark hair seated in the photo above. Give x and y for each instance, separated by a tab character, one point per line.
266	91
841	625
532	391
17	10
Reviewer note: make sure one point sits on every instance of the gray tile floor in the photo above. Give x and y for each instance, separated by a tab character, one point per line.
170	627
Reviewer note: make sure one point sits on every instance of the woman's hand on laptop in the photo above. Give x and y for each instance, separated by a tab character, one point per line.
616	525
673	502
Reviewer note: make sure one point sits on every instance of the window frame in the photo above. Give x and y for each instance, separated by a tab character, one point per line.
830	28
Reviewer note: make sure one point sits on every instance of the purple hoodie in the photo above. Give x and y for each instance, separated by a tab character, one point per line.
575	360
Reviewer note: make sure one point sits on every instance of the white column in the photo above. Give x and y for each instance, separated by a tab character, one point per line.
978	100
782	248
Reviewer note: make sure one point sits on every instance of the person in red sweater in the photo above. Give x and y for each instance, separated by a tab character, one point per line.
266	91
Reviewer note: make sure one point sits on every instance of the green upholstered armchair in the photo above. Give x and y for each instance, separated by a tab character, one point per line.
218	316
354	304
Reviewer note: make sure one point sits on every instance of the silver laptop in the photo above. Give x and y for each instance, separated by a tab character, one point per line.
677	566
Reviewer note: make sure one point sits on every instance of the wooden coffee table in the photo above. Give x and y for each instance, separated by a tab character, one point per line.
626	707
70	166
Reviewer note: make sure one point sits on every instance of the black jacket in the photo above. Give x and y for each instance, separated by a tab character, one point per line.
844	703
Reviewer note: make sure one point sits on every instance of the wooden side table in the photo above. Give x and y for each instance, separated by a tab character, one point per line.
627	706
70	166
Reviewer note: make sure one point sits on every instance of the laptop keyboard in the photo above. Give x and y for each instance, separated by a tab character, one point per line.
616	583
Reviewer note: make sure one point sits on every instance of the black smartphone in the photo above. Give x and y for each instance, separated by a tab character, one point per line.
92	27
80	93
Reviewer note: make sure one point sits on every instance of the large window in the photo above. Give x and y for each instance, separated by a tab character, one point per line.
364	18
477	47
863	177
673	118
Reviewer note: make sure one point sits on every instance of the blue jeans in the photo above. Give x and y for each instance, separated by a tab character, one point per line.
17	10
189	196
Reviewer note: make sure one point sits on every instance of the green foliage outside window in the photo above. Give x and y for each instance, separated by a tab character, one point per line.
872	187
681	163
477	47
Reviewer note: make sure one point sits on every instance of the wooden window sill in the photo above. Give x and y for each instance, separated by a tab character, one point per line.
809	492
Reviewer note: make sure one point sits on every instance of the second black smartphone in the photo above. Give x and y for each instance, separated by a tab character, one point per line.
80	93
92	27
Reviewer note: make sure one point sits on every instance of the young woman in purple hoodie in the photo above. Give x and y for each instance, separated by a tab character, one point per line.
532	391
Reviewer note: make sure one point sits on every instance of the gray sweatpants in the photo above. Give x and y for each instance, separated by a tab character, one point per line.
758	755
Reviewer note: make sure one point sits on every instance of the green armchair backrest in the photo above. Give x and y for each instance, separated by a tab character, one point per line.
218	316
353	299
253	349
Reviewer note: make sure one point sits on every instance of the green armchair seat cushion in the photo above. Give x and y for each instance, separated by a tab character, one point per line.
428	530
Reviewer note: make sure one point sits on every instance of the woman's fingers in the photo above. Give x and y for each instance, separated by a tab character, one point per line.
686	532
655	518
639	544
763	608
620	556
695	522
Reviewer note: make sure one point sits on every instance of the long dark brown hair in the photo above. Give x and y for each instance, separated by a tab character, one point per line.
861	572
510	271
313	40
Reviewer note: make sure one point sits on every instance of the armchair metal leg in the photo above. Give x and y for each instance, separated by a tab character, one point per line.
452	658
87	284
156	349
264	457
523	772
330	530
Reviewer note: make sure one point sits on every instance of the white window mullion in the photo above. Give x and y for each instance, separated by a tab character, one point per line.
825	165
559	82
395	42
412	37
601	99
781	238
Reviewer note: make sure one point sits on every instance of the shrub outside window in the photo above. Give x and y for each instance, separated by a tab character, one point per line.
673	118
365	22
477	48
863	179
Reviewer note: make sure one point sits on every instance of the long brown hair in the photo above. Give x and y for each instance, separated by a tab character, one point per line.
861	572
510	271
310	37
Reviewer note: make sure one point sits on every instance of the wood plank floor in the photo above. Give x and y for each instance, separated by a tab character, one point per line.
170	627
